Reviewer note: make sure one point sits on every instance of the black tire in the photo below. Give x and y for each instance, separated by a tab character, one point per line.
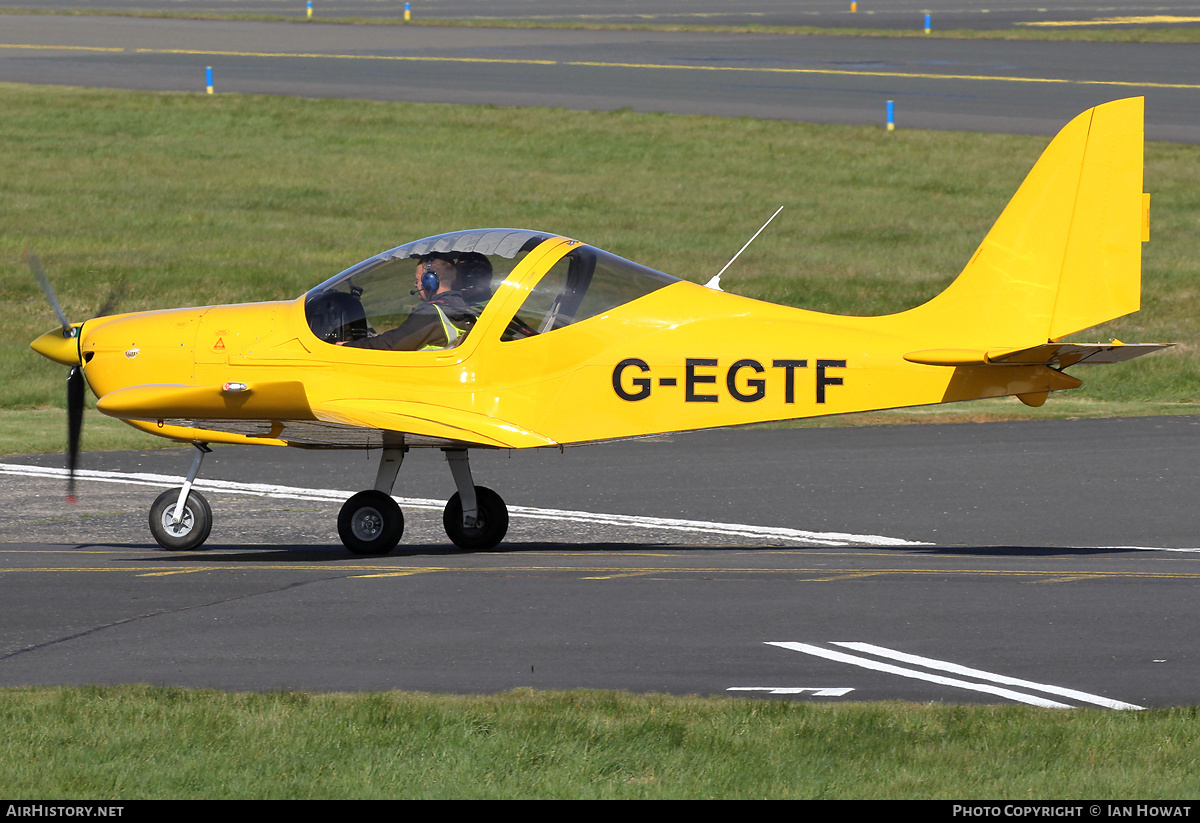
370	523
491	521
191	531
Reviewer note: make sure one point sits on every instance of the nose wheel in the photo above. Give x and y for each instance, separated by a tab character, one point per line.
189	530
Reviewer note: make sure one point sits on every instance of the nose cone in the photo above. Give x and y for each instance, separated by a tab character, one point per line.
59	348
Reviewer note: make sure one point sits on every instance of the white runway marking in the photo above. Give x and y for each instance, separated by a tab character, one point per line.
1139	548
705	527
940	665
817	691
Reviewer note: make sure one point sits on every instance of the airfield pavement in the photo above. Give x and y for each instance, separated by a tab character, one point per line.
868	14
1047	562
1042	556
970	85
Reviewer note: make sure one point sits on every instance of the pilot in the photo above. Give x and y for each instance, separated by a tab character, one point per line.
438	322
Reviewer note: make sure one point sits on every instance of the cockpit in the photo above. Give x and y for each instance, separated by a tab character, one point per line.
387	294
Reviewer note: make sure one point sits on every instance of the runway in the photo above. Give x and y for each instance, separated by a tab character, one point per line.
971	560
972	85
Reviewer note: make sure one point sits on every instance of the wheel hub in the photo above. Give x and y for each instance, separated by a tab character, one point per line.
183	527
366	524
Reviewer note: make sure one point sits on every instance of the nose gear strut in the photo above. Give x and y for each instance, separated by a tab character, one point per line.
181	519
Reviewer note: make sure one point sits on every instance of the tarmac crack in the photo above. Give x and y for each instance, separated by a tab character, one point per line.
158	613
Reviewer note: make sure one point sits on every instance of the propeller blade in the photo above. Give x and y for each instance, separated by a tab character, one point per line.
75	382
35	266
74	425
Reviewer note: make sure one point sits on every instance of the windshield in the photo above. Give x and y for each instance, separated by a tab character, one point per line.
584	283
423	295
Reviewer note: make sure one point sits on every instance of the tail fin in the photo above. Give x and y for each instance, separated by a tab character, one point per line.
1066	252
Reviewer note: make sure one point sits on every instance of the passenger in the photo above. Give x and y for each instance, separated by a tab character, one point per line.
438	322
473	279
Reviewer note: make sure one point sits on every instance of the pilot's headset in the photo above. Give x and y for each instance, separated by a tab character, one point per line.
429	278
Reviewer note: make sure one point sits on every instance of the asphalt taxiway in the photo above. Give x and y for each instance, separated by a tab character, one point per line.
1026	562
866	14
973	85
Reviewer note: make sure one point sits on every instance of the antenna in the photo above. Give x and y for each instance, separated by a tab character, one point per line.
715	283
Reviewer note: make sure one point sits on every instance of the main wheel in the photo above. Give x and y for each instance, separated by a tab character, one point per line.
191	531
370	523
491	521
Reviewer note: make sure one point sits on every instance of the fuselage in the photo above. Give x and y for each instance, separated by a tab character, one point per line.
678	357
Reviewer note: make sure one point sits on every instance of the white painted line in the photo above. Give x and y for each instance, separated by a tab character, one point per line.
1138	548
705	527
711	527
966	671
817	691
867	663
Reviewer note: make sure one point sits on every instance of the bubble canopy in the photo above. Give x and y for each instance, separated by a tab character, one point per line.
383	292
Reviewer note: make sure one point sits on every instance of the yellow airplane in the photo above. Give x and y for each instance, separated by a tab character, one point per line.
530	339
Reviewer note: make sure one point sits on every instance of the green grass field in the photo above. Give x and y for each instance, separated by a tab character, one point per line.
166	200
143	742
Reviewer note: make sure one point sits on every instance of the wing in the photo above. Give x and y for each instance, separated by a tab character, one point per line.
279	413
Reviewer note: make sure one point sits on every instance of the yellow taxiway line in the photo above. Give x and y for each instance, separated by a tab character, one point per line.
895	75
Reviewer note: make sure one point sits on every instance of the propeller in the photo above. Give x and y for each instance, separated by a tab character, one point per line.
63	350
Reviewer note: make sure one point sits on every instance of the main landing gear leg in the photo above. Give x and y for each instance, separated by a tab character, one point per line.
371	523
180	519
476	518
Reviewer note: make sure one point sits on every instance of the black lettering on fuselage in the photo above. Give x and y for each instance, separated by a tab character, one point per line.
690	395
643	383
789	380
758	388
698	381
823	381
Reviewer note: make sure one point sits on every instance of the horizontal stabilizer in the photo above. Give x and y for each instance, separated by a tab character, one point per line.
1055	355
1063	355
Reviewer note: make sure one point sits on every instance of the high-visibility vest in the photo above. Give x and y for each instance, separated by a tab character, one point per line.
453	333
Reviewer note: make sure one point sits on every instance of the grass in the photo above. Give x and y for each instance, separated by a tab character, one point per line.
167	200
136	742
41	431
1090	34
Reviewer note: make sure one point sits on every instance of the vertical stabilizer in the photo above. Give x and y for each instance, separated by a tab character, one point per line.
1066	252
